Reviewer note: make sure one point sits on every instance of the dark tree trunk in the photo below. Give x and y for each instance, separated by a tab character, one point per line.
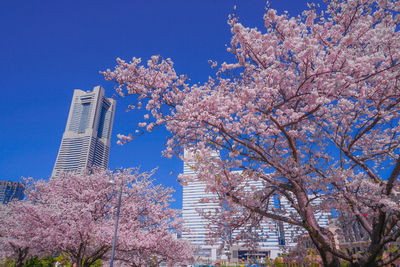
21	256
328	258
322	238
325	243
368	261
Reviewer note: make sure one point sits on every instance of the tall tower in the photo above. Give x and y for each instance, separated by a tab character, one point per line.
86	140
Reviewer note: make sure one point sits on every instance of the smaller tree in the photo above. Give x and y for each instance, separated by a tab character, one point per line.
11	246
18	243
74	214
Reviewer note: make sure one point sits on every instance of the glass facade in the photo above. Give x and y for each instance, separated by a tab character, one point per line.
11	191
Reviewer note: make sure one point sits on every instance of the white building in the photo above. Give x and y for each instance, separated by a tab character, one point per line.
193	192
86	140
277	236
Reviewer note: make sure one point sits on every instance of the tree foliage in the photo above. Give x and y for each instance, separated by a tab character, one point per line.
310	107
74	215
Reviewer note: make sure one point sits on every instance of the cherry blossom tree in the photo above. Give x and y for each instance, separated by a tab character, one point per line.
74	214
309	108
12	246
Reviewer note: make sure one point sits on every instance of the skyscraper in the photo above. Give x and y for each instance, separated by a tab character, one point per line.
87	135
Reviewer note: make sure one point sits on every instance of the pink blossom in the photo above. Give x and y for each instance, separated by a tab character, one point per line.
314	115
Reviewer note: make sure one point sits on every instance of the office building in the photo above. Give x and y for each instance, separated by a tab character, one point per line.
274	237
86	139
196	225
11	191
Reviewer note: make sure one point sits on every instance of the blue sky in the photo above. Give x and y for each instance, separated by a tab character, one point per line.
49	48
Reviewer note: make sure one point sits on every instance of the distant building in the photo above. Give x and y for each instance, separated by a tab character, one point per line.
276	237
10	191
86	140
349	234
193	192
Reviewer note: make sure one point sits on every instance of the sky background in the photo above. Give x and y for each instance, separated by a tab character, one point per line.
49	48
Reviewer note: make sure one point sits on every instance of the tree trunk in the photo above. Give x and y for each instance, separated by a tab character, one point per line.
366	261
322	238
83	263
328	259
77	263
21	256
324	242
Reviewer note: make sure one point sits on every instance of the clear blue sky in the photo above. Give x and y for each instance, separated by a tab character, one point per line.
49	48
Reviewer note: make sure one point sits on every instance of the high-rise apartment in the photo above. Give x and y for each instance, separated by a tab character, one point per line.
87	135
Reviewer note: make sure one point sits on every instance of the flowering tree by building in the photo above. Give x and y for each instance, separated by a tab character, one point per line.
74	214
309	108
